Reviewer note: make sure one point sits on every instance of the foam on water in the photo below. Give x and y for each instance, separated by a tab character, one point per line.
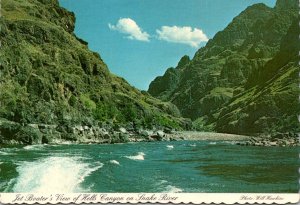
114	162
231	142
139	156
53	175
172	189
170	146
163	181
66	143
9	150
192	145
213	143
34	147
165	187
3	153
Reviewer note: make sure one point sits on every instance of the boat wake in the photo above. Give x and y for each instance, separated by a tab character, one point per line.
53	175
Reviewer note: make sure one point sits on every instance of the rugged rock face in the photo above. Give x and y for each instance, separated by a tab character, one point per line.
48	76
163	86
245	79
270	101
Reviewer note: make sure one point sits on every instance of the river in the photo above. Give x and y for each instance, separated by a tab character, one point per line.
182	166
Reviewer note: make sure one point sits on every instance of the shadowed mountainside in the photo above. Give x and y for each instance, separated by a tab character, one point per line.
245	79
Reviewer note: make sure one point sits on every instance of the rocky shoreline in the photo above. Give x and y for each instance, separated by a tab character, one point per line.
280	139
196	136
12	133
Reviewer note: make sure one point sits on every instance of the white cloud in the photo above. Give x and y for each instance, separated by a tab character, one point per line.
184	35
130	27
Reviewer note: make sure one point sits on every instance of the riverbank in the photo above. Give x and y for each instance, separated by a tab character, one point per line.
12	133
212	136
280	139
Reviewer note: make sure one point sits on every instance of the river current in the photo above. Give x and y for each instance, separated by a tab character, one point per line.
183	166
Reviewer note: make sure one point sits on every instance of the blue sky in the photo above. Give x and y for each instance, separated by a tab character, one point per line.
140	39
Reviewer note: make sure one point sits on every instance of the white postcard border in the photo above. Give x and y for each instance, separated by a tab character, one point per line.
176	198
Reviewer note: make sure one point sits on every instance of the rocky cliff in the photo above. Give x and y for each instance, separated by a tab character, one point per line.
50	79
245	79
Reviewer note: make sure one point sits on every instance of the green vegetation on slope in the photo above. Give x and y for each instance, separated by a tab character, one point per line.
270	104
245	79
49	76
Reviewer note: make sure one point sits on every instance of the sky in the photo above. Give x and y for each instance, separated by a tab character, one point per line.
140	39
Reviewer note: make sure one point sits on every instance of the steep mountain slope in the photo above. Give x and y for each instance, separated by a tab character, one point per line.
231	63
49	76
270	102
